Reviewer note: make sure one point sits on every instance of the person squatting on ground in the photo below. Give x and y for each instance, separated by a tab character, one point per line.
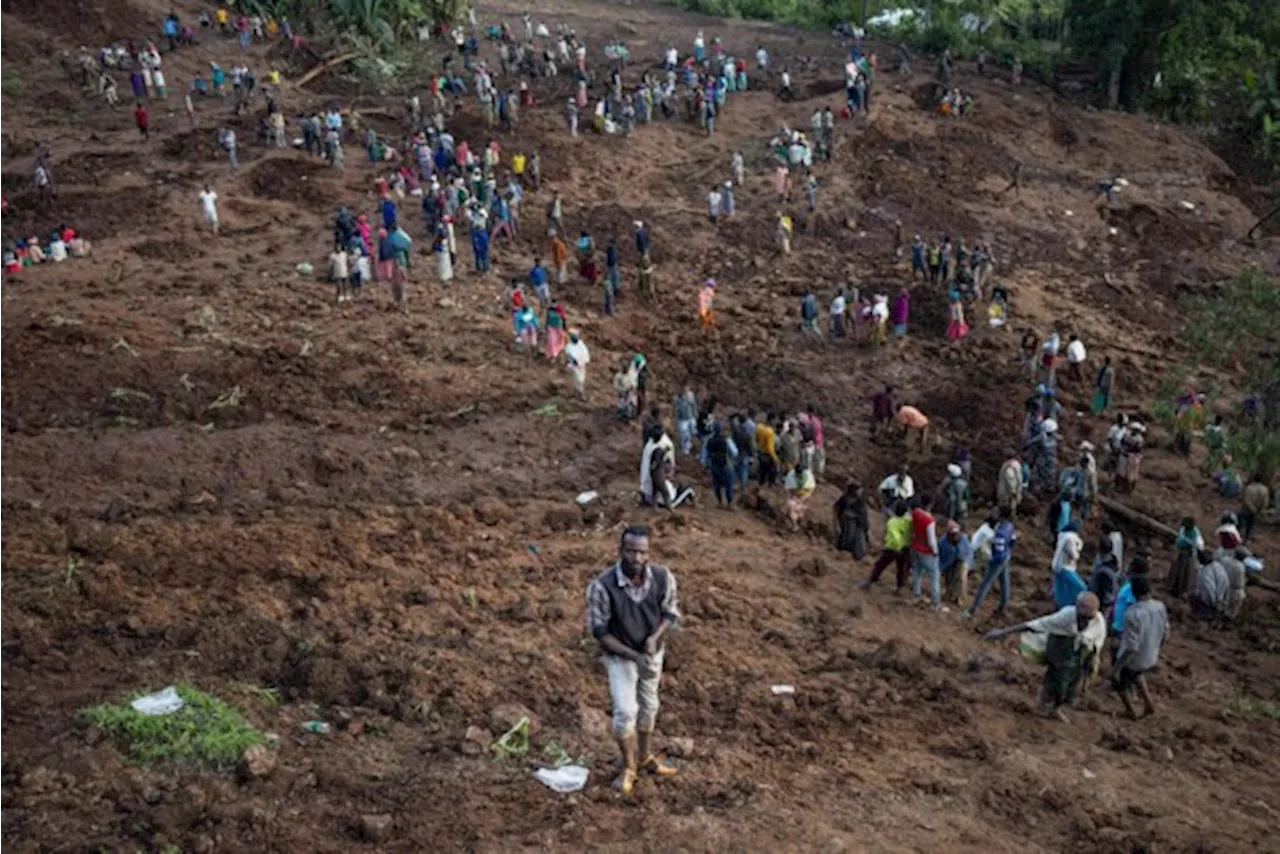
631	607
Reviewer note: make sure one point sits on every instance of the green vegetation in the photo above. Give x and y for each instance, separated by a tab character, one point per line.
377	24
514	743
205	731
1253	709
1189	61
11	83
1238	327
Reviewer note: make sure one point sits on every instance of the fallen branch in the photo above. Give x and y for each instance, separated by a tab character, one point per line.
321	69
1142	520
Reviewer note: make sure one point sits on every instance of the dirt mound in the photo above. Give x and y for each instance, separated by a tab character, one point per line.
90	22
175	251
306	182
93	214
202	145
97	167
1144	222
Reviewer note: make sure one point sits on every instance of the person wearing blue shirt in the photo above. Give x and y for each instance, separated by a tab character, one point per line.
480	243
917	259
388	214
1125	597
955	560
538	281
502	218
642	239
1001	547
171	31
809	315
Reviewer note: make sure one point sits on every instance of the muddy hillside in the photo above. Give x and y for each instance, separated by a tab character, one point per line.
216	475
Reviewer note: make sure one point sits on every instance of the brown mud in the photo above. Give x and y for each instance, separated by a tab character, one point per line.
381	527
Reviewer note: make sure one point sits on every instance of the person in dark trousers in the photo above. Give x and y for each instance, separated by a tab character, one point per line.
851	521
720	457
1146	627
897	547
142	120
1015	180
631	608
612	274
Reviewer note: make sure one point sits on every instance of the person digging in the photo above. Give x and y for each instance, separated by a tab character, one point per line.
631	607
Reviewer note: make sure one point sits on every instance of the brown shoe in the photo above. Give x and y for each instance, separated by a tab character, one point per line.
655	765
626	781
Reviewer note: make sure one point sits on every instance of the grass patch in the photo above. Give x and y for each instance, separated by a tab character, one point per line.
11	83
258	693
1254	709
205	731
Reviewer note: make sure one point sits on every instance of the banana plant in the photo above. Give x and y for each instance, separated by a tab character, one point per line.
1265	109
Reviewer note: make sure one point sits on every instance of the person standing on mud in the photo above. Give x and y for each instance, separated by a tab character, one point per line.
997	539
1009	484
1015	180
559	257
925	551
142	120
578	357
896	548
1146	627
631	608
1075	636
44	184
209	208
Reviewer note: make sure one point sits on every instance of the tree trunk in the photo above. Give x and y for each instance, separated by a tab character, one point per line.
1134	517
1113	86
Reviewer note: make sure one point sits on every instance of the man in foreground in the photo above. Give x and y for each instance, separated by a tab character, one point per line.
1074	638
631	607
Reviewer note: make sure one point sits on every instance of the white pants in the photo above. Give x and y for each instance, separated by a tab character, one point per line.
634	694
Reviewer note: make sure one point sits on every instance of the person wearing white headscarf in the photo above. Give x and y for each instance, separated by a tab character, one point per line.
578	357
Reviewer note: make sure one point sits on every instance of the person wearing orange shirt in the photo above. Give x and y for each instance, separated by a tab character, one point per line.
559	257
706	296
912	419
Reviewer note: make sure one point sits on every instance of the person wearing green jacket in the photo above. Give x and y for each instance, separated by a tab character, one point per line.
897	547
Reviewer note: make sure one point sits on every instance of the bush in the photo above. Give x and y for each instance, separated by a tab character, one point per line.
1038	62
205	731
11	84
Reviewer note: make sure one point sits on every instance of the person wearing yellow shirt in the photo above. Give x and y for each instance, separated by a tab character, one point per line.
273	77
897	547
222	16
766	452
517	164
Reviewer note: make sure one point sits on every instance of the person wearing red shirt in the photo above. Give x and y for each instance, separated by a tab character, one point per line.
142	120
924	550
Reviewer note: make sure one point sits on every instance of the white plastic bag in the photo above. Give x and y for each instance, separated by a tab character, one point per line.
164	702
1032	646
565	779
